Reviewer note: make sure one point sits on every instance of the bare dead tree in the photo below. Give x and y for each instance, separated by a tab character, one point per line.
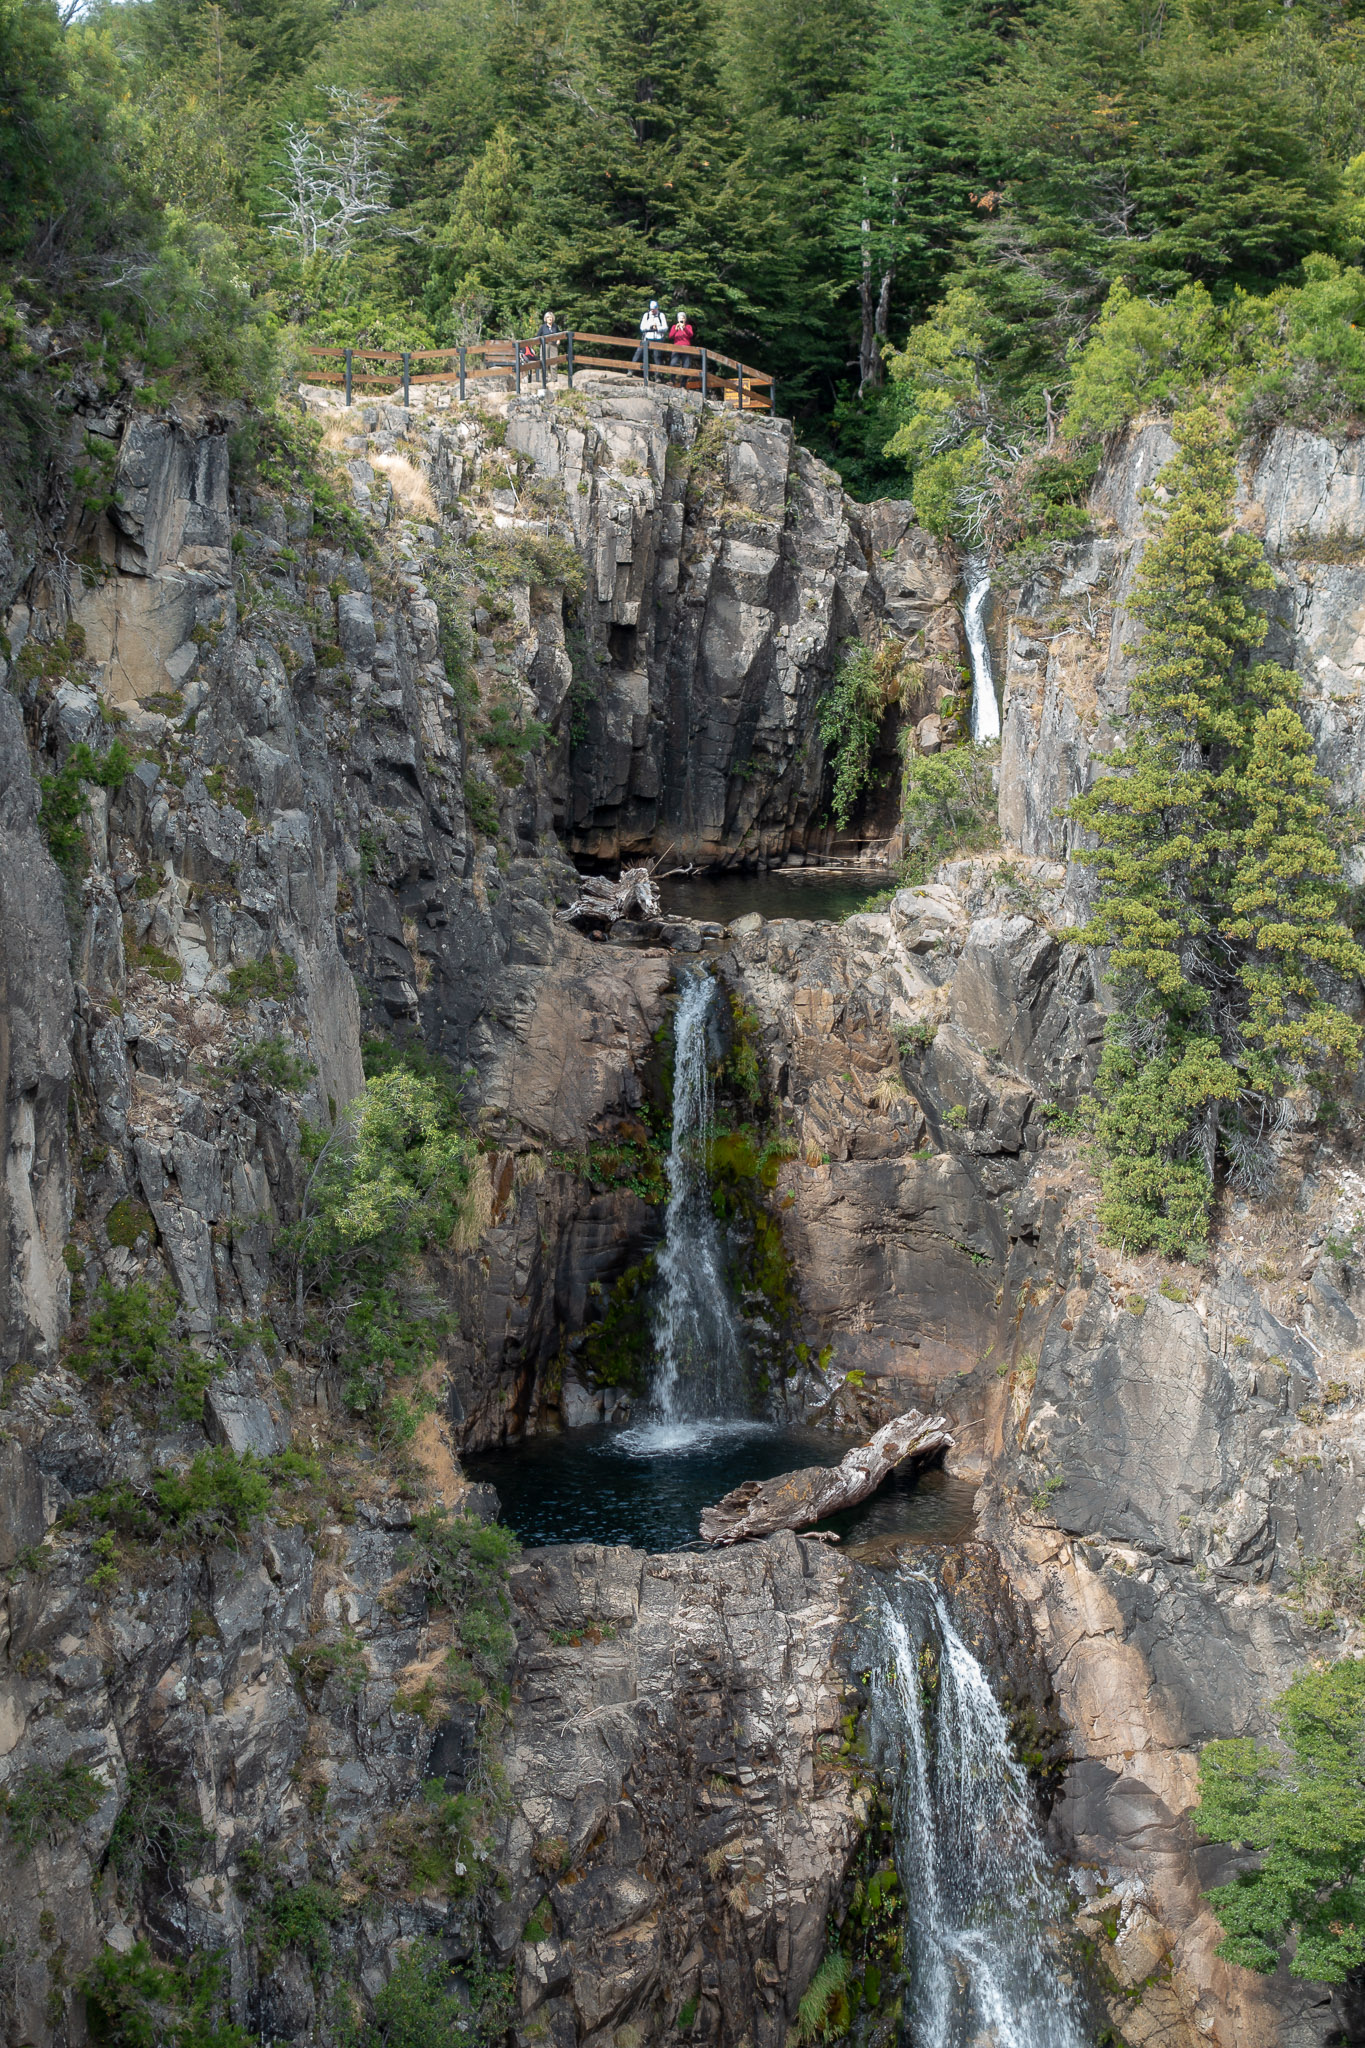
335	175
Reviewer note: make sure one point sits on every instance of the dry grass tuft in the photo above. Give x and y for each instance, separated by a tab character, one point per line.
476	1211
410	487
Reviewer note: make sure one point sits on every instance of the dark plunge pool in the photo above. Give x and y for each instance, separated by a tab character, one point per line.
786	893
647	1487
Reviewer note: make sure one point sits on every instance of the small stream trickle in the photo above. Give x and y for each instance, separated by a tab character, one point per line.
984	1962
985	709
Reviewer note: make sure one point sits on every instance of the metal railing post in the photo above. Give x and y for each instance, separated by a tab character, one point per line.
462	374
703	377
739	371
644	355
407	376
516	351
544	365
348	380
571	359
772	398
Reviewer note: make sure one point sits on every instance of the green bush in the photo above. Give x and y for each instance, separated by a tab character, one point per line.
132	2001
272	979
48	1802
481	807
618	1347
1303	1807
127	1221
302	1917
219	1495
850	717
130	1341
950	807
65	802
150	959
222	1491
153	1828
510	738
1297	353
387	1184
427	2003
463	1565
272	1063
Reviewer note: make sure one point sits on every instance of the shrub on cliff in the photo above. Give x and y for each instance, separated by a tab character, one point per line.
1302	1805
133	2001
1220	891
387	1185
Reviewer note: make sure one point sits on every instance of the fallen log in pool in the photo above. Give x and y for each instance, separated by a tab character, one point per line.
795	1499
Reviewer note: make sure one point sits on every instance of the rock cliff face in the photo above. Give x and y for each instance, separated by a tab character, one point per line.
725	568
352	737
1165	1453
363	740
1061	638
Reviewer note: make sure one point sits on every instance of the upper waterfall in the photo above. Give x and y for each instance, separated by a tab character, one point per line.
985	709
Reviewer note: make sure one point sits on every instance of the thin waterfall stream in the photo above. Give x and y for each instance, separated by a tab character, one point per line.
985	709
985	1963
700	1372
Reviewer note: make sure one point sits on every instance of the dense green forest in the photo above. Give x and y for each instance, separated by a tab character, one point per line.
1001	181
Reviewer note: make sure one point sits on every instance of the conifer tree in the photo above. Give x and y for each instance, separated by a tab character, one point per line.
1220	892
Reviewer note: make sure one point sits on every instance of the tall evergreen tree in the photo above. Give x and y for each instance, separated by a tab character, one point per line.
645	183
1220	894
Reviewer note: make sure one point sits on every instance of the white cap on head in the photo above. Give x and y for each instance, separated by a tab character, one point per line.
654	305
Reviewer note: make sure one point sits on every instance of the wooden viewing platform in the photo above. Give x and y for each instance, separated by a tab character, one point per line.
533	363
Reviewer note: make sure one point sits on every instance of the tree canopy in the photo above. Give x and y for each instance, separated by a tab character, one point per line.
1002	180
1302	1804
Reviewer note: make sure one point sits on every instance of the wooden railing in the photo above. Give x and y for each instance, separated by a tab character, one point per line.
531	364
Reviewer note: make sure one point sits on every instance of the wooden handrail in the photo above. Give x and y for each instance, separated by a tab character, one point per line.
540	354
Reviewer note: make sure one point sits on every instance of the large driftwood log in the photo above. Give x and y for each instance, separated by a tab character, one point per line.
603	901
794	1499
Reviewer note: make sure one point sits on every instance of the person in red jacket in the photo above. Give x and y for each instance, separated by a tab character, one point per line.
680	334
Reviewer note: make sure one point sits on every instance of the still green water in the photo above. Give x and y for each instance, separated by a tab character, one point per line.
786	893
647	1487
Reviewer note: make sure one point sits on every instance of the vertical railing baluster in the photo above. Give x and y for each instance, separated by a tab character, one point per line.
516	351
739	372
348	380
407	376
571	359
703	377
461	373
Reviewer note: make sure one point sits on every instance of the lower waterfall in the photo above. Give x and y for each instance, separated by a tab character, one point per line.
700	1373
983	1962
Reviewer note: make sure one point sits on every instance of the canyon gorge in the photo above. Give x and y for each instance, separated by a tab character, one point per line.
370	738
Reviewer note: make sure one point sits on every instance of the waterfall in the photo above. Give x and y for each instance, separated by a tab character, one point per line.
984	1964
700	1361
985	710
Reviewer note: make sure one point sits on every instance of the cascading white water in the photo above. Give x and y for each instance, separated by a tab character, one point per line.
985	710
700	1359
984	1965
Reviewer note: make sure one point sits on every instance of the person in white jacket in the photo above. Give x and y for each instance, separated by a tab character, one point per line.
653	328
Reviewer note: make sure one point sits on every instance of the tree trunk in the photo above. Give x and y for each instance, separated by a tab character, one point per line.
796	1499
